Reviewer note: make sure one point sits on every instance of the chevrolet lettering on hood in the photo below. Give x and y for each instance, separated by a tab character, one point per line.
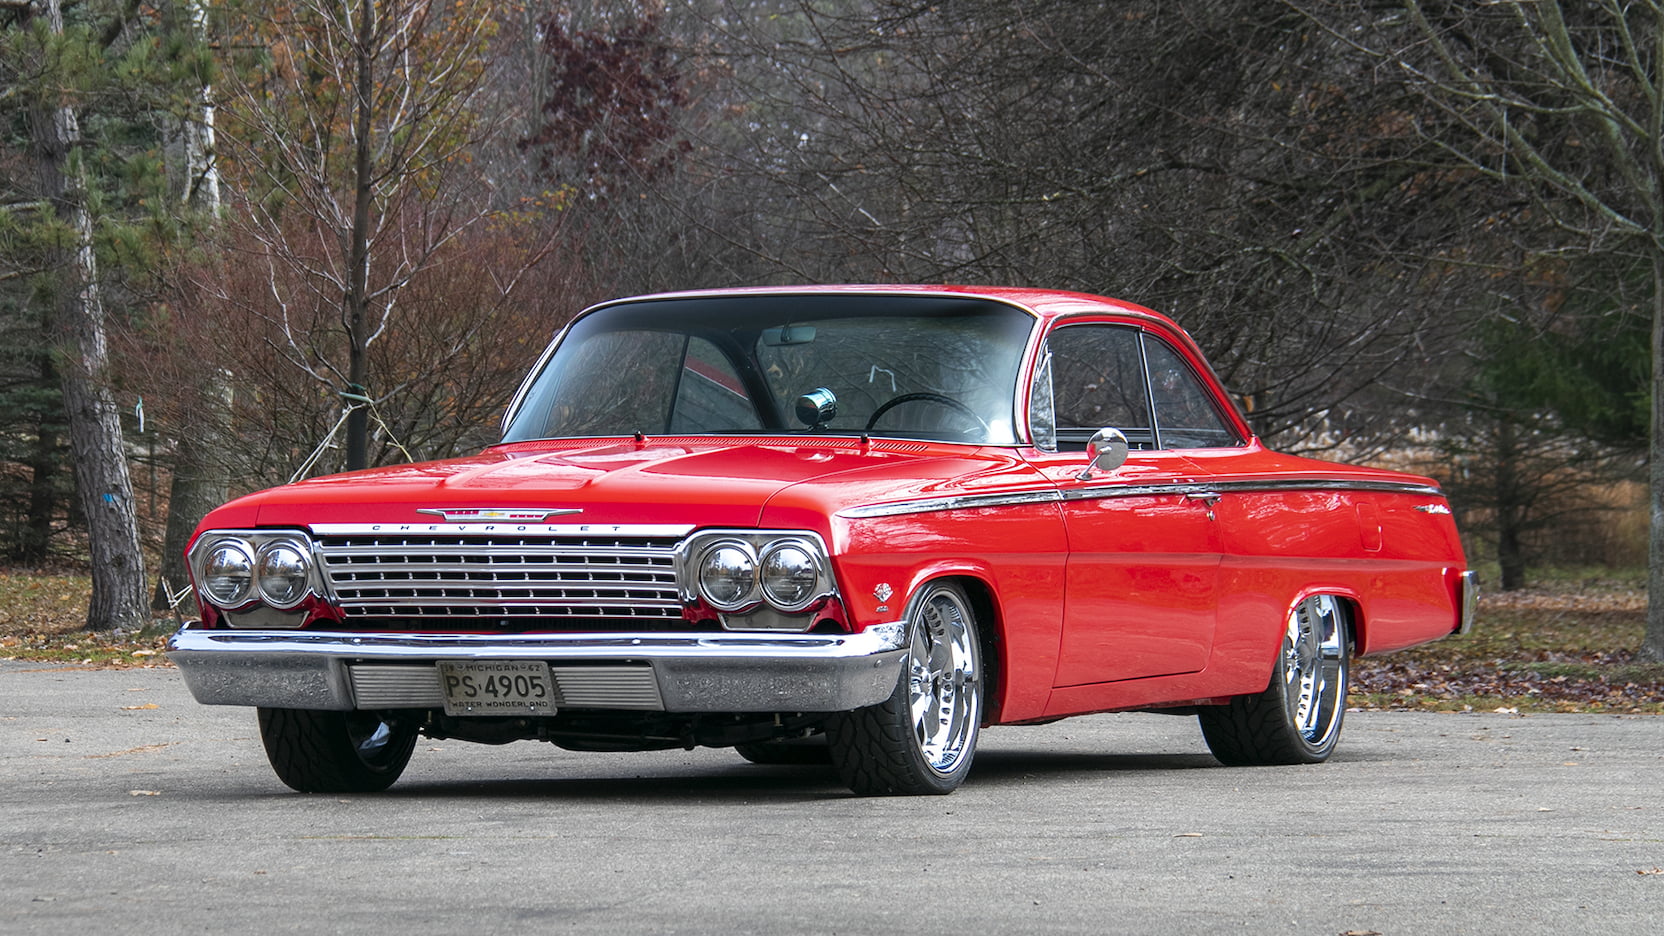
843	525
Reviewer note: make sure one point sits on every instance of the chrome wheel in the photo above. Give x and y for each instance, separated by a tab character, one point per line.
922	738
1314	671
1297	719
943	686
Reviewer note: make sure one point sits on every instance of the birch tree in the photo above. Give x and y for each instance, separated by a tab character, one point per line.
201	476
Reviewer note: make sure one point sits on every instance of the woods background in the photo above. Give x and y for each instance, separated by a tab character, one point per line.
1424	234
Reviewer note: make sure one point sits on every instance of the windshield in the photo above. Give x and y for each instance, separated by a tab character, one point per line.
918	367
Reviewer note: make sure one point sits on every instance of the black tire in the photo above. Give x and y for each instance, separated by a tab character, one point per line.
811	752
922	738
1297	719
336	752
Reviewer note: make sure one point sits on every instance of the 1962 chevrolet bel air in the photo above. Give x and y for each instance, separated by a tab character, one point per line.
856	524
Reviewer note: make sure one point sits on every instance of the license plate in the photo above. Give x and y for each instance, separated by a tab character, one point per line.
497	687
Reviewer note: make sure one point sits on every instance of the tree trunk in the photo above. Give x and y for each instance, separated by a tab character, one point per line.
102	483
201	189
358	250
1510	511
201	481
1652	643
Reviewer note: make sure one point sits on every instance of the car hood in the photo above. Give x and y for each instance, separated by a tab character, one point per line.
706	482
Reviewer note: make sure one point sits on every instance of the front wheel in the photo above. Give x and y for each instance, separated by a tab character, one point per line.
336	752
1297	719
921	739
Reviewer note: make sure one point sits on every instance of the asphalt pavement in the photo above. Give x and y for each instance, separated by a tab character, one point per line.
125	807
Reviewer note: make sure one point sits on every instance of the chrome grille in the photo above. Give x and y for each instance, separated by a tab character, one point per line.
502	571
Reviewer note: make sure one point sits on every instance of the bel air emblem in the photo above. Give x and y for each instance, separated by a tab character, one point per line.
506	514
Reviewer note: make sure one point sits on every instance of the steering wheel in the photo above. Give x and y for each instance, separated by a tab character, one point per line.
928	397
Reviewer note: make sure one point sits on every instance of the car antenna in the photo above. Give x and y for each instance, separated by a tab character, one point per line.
641	438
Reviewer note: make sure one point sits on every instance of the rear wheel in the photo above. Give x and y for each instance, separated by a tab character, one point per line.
922	738
1297	719
336	752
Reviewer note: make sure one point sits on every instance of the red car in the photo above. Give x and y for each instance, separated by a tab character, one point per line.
855	524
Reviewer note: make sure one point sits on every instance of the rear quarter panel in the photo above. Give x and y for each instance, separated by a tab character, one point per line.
1384	540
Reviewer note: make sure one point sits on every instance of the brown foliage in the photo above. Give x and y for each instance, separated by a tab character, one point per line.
469	326
614	97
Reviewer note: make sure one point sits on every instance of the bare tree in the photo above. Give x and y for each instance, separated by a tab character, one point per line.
1564	103
351	142
1205	158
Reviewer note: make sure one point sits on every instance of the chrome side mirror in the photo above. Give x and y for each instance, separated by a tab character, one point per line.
1105	451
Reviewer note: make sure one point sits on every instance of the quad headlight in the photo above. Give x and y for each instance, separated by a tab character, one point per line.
749	572
728	576
790	576
234	569
227	574
284	574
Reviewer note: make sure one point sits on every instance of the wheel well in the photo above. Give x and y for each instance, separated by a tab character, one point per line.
988	632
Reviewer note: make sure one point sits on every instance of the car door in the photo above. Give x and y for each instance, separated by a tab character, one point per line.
1142	577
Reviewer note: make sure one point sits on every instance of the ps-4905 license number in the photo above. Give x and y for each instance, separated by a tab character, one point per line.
497	687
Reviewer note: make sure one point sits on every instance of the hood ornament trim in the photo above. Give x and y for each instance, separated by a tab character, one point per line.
503	514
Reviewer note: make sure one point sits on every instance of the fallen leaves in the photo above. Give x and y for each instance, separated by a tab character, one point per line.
1561	649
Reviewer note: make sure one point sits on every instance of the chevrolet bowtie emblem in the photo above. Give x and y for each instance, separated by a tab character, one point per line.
502	514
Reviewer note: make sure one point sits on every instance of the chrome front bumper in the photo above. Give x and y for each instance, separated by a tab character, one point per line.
715	672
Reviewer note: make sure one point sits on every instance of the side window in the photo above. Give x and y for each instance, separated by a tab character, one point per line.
709	395
1185	413
1097	381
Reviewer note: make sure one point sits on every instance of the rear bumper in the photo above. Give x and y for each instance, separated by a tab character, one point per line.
716	672
1469	609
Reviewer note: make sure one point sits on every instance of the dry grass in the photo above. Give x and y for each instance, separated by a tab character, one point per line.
43	617
1565	646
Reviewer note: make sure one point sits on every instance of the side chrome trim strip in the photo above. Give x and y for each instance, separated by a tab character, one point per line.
1101	491
1330	484
1096	491
963	502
